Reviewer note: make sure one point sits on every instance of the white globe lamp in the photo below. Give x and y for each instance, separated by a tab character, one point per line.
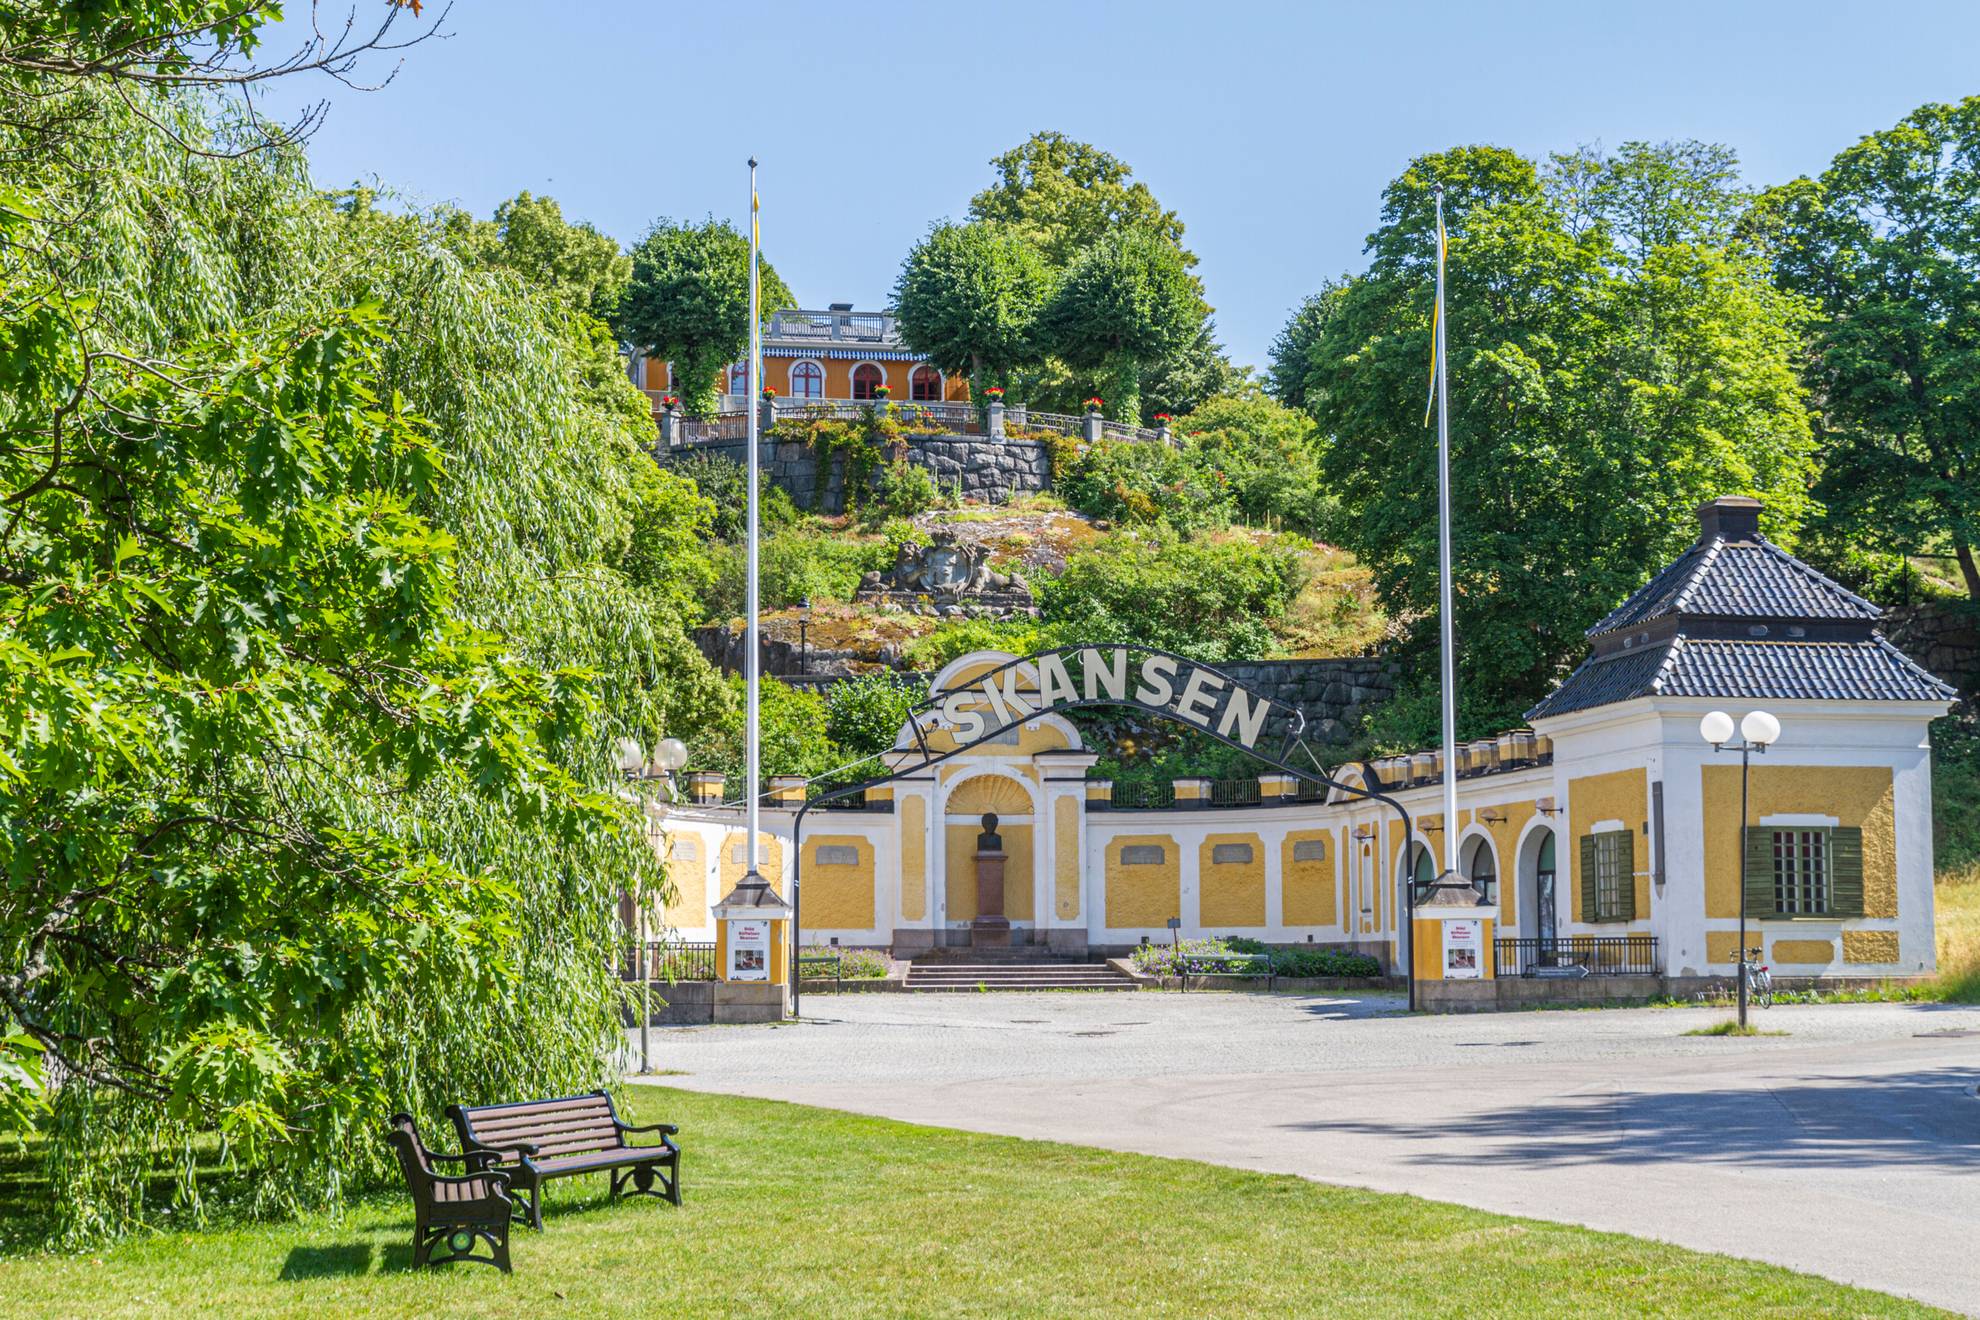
1716	728
1760	728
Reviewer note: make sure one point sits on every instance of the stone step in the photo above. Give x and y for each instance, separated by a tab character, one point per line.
1015	976
995	987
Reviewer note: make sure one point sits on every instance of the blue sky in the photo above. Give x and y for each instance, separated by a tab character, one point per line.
1271	128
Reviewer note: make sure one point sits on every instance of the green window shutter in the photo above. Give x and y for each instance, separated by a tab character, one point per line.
1759	878
1846	871
1626	864
1588	878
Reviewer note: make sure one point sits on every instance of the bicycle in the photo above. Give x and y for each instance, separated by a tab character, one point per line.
1759	981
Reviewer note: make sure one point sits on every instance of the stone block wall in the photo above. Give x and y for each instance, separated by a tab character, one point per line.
1943	636
989	470
1333	694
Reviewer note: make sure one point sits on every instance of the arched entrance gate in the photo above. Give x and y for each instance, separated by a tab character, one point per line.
991	703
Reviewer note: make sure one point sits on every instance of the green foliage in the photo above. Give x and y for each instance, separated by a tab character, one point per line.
930	651
863	715
1291	353
1127	302
903	490
724	483
968	298
1064	196
316	628
846	964
802	563
1602	389
1885	245
530	237
1955	793
1143	484
688	302
666	550
1190	375
1211	599
1266	457
792	727
1296	961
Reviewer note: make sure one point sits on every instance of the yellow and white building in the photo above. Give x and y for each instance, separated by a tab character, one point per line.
1606	836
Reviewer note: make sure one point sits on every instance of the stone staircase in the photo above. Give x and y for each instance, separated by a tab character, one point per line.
1009	969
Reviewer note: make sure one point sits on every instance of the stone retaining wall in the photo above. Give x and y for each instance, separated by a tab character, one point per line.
1943	636
987	469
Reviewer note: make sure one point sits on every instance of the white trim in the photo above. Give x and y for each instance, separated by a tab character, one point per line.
1790	820
852	385
1607	827
791	374
941	383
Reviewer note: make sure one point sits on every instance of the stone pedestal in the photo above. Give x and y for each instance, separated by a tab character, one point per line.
991	929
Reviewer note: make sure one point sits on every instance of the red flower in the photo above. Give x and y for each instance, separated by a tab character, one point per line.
1096	402
769	392
1161	417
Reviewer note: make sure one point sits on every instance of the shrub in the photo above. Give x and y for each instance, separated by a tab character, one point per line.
904	490
796	565
1018	636
1323	962
1211	599
862	715
854	964
1145	483
725	484
1213	955
793	731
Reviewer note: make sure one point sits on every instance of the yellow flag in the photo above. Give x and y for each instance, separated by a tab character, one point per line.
1436	321
755	228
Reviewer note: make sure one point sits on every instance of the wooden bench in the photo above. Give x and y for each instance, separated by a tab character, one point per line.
534	1141
457	1213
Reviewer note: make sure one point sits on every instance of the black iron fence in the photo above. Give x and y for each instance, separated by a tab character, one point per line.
1147	795
1234	792
1578	955
678	960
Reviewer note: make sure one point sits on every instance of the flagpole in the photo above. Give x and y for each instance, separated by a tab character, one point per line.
1444	561
752	646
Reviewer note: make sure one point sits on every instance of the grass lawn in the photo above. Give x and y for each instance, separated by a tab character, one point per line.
810	1212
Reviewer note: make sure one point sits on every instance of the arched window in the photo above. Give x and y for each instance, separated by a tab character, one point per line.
807	381
1482	871
1423	868
739	378
866	379
925	385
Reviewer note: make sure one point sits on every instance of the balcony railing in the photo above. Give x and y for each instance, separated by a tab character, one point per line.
1576	955
853	327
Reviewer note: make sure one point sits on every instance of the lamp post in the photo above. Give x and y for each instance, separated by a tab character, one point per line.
1757	733
804	622
669	755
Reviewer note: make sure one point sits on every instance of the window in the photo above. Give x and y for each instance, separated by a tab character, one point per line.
925	385
1230	854
1801	872
807	381
1804	871
1483	871
739	378
1143	854
1608	876
866	379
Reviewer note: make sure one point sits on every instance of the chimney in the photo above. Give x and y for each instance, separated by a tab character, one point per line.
1731	517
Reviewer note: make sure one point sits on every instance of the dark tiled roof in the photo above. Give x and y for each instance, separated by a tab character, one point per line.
1868	670
1738	579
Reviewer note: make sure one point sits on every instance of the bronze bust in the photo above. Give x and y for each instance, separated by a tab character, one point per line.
989	840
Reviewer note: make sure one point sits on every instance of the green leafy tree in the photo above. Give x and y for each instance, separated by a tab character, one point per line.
1885	244
530	236
968	298
688	302
1598	392
1126	304
1064	196
1190	375
863	715
1291	352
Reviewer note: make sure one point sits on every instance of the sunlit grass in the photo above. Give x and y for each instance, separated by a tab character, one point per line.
793	1211
1731	1027
1958	903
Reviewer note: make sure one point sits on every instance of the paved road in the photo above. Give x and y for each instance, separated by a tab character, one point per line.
1848	1148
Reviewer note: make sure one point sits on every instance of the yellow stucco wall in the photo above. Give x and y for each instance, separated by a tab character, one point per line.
1143	895
1622	795
914	857
1065	826
735	861
1858	795
1722	946
1231	894
1870	946
838	897
1306	889
1806	952
961	878
689	876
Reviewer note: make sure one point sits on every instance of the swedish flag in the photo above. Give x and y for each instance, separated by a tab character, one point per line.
1436	317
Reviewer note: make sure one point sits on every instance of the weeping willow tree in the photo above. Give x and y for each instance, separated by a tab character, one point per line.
323	597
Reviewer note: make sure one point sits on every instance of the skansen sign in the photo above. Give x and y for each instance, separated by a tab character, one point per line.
1155	681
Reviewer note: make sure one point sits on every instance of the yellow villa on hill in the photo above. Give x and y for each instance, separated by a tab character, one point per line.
818	356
